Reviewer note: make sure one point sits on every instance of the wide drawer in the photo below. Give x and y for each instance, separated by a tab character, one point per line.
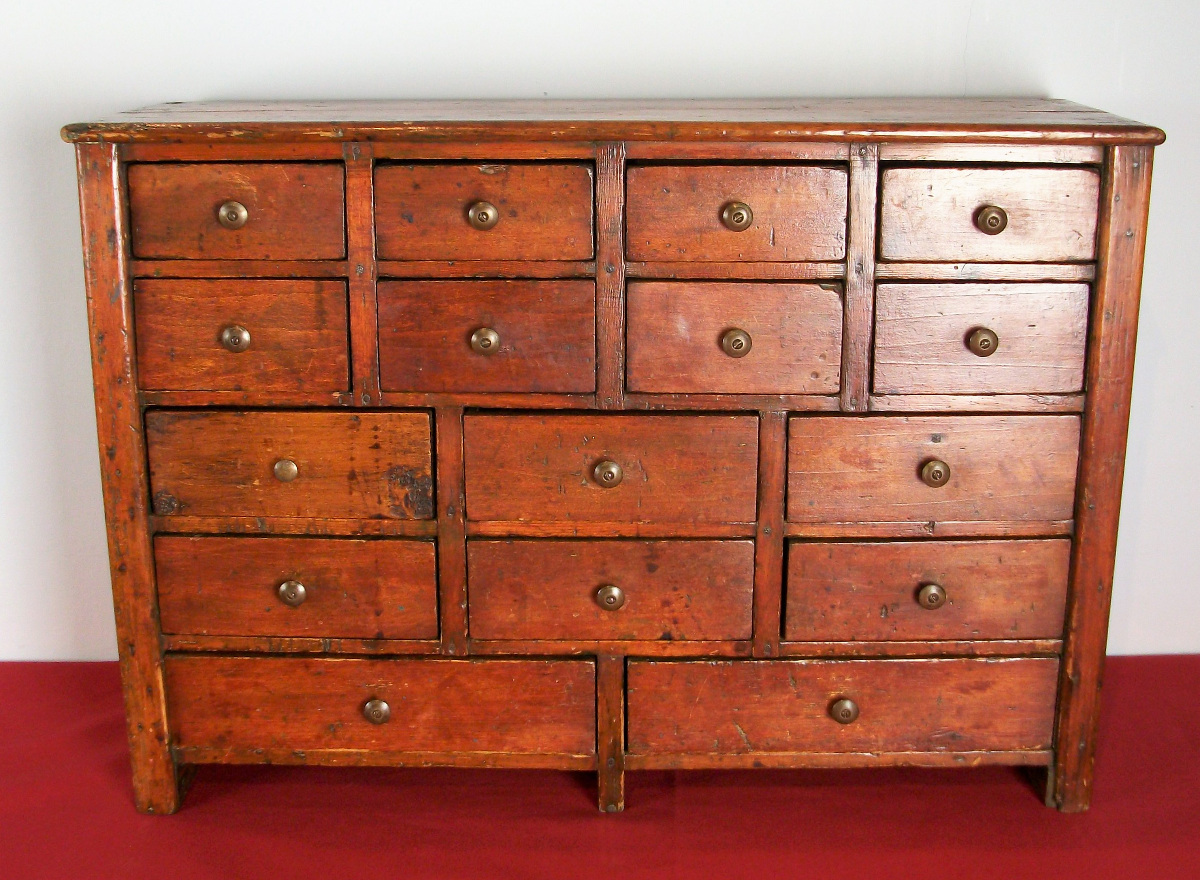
747	707
888	468
524	336
304	704
611	468
290	464
979	338
518	211
241	335
734	338
926	590
317	587
238	211
637	590
699	213
986	215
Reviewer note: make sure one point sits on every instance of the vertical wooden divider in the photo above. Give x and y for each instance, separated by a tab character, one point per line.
452	532
360	254
768	542
858	300
610	731
610	276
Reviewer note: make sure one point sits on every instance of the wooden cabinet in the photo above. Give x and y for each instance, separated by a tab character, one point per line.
613	437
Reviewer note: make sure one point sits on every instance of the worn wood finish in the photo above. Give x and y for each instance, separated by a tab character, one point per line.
610	276
977	528
451	530
768	543
995	403
374	757
602	529
992	154
287	525
545	211
929	648
299	645
596	647
353	588
1066	272
486	269
547	333
859	298
673	590
363	273
236	268
836	760
716	271
610	731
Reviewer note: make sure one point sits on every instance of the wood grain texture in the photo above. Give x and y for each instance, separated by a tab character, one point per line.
921	333
992	154
451	530
547	335
673	213
726	271
486	269
351	465
868	591
768	538
285	525
610	276
674	590
985	272
353	588
996	403
236	268
675	328
545	211
296	211
860	278
1019	468
363	272
676	468
610	731
927	648
835	760
979	528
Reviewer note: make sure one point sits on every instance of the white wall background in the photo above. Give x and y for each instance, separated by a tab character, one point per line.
63	61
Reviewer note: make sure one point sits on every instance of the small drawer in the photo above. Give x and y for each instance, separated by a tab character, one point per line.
317	587
522	336
284	705
980	338
290	464
989	215
883	706
611	590
908	591
736	213
521	211
243	335
614	468
238	211
734	338
888	469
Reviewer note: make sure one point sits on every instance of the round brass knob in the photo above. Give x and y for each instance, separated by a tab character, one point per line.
483	215
292	593
232	215
991	220
844	711
736	343
736	216
935	473
377	711
608	474
235	338
285	470
983	342
931	596
485	340
610	598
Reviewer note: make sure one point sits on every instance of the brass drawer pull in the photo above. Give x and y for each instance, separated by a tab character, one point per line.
931	596
377	711
935	473
483	215
485	340
736	343
235	338
610	597
736	216
608	474
991	220
286	470
232	215
292	593
844	711
983	342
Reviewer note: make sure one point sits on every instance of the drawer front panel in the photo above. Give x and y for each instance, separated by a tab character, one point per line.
294	211
433	336
678	342
310	704
190	335
743	707
347	465
674	213
931	214
926	342
544	211
319	587
668	590
926	590
527	468
1002	468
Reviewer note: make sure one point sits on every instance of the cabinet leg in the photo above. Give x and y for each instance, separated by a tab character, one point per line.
610	731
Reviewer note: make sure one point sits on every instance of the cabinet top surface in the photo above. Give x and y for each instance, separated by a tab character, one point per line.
1010	120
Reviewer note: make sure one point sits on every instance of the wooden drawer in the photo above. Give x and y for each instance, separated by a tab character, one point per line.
294	210
954	590
545	336
230	705
925	342
189	335
348	465
543	468
668	590
673	213
544	210
748	707
863	470
931	214
679	338
320	587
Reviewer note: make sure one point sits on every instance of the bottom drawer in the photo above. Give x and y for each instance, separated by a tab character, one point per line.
787	706
271	708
